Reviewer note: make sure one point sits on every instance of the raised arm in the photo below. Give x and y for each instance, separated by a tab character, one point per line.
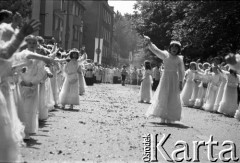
162	54
7	50
153	48
47	60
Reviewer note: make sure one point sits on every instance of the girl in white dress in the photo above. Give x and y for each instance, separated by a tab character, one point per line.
229	103
9	135
186	93
147	81
69	94
202	87
215	80
166	103
220	90
197	81
82	82
32	75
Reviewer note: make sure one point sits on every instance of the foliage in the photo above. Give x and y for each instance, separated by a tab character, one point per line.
125	37
21	6
204	27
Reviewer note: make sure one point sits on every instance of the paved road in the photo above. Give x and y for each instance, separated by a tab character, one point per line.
109	124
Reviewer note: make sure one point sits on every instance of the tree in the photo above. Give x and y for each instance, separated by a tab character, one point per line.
204	27
125	36
21	6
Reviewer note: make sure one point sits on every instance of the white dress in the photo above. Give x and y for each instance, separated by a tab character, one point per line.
10	125
69	94
215	80
166	102
202	90
220	92
82	82
30	92
54	83
146	86
196	80
229	103
186	93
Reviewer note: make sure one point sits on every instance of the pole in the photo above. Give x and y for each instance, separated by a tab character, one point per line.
98	51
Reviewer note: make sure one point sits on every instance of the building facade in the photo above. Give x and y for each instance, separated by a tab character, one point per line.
61	20
98	26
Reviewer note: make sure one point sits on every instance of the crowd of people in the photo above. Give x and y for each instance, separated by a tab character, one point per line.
37	77
211	86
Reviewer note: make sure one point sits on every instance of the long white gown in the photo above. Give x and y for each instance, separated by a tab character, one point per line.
202	90
30	93
69	94
215	80
82	82
186	93
229	104
196	80
166	103
146	86
10	125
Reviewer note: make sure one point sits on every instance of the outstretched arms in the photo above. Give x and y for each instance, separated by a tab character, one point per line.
159	53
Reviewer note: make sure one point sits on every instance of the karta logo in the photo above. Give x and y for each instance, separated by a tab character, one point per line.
152	148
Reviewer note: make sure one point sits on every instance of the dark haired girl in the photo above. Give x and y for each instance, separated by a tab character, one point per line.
69	94
166	103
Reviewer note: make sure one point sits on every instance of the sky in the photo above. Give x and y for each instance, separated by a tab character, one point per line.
123	6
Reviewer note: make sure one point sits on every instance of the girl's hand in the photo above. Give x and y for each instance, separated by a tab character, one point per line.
146	40
50	61
30	27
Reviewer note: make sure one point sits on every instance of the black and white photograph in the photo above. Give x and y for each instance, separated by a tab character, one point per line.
119	81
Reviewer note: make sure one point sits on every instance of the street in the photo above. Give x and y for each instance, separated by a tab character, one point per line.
109	126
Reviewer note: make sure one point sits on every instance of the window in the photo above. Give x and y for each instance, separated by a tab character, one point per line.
61	30
101	35
76	13
62	1
56	23
75	32
79	12
105	15
109	19
73	10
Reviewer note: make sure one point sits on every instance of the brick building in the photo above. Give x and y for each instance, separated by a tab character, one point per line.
98	23
61	20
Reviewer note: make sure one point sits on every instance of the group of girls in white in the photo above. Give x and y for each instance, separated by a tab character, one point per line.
211	87
34	79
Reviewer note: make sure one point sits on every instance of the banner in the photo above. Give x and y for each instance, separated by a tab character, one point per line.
98	50
101	49
95	49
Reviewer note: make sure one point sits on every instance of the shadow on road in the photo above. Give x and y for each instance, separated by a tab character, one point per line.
32	142
43	123
71	110
176	125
